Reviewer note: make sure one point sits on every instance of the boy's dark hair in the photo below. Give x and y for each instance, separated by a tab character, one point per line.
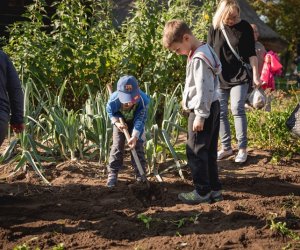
174	31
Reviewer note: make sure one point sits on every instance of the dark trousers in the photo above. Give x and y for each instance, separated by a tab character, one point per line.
3	130
117	151
201	150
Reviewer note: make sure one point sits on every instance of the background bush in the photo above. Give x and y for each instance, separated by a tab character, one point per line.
82	46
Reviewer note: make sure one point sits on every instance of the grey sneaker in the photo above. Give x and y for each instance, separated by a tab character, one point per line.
112	180
216	196
224	153
194	198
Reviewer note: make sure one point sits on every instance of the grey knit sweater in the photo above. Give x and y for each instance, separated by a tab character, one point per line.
201	81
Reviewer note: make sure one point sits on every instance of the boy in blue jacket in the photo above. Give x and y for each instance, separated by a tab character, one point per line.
130	104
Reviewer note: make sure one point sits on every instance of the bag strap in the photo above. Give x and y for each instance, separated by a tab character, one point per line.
214	57
229	44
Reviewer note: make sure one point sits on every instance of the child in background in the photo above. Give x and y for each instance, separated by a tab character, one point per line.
130	104
271	67
200	99
259	49
268	67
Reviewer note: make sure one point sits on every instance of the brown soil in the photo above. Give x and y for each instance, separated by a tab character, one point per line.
79	211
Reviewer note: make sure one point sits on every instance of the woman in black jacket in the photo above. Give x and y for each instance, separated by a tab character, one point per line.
234	80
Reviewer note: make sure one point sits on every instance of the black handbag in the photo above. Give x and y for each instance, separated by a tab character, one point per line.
293	122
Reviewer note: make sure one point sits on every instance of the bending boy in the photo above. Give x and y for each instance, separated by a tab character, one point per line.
200	99
130	104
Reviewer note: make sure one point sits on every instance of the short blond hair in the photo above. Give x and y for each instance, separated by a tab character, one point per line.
174	31
225	7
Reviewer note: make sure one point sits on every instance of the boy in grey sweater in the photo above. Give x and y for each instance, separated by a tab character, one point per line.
200	100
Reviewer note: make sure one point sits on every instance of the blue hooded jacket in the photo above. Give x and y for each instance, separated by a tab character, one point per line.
113	109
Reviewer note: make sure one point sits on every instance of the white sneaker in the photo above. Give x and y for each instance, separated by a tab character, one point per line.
224	153
241	156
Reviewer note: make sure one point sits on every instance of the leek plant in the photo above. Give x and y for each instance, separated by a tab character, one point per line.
171	115
159	136
28	148
152	133
97	125
64	128
67	132
170	125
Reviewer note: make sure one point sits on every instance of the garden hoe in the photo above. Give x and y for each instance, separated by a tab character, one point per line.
135	156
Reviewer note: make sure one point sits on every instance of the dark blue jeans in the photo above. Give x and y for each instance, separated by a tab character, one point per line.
201	150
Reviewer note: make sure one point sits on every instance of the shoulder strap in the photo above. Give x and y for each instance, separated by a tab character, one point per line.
203	56
208	62
229	44
216	59
211	64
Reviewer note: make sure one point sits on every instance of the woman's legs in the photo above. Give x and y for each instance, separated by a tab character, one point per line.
225	134
238	96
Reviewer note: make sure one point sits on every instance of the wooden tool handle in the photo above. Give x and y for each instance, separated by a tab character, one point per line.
135	156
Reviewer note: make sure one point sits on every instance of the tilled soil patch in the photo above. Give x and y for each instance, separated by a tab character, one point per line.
79	211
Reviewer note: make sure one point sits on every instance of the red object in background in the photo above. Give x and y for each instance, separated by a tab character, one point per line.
271	68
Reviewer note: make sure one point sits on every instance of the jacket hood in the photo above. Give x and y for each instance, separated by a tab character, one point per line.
208	55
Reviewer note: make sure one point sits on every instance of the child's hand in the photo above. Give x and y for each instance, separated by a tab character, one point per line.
120	126
182	105
268	59
132	142
198	125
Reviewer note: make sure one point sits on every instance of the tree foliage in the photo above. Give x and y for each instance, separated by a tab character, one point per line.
283	17
82	45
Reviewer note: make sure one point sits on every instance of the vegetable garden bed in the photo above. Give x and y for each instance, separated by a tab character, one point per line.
78	212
